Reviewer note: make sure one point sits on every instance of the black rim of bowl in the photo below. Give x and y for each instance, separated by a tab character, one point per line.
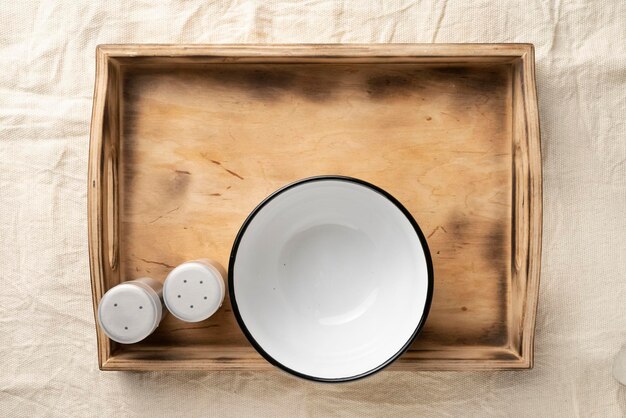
231	279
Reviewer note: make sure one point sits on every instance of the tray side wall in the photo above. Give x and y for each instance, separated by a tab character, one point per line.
103	191
527	212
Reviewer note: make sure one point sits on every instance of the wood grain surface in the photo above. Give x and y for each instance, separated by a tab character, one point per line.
186	141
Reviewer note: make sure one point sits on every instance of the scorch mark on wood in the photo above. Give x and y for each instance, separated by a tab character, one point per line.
155	262
166	213
229	171
436	229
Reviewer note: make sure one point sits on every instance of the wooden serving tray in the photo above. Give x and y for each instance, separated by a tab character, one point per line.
187	140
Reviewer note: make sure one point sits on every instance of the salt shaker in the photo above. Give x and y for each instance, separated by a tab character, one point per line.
132	310
195	290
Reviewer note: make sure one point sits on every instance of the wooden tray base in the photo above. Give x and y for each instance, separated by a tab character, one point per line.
186	141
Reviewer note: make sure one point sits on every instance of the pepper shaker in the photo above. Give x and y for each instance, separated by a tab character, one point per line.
132	310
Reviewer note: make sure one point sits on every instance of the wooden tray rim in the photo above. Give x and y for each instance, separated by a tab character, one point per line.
116	54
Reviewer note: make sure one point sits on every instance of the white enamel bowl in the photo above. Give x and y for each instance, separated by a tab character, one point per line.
330	278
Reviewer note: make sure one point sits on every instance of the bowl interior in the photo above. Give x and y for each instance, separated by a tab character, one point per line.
330	278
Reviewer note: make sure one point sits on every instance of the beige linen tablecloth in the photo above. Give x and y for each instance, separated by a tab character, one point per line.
47	338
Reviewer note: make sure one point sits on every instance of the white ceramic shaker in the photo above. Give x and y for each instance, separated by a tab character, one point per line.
132	310
195	290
